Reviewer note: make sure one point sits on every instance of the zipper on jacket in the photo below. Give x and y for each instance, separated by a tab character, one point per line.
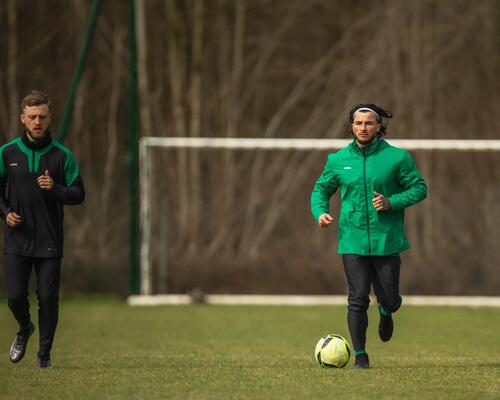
366	201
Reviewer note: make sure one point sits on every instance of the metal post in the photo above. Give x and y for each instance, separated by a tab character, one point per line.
145	216
84	51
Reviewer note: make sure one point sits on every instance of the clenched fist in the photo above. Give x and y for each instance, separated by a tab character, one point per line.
325	220
45	181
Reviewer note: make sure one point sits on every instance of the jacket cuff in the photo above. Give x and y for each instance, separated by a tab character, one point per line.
58	191
395	204
4	212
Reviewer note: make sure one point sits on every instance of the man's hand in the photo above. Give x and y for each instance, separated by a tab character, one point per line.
325	220
13	219
45	181
380	202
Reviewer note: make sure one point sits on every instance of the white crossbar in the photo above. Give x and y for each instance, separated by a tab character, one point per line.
291	300
316	144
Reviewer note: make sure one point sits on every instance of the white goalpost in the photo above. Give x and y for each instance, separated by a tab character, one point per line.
146	145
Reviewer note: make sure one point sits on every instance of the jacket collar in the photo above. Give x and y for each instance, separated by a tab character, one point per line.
371	148
47	140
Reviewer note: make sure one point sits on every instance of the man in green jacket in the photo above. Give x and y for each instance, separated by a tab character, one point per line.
377	182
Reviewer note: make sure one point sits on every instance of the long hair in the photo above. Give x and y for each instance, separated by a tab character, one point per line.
380	113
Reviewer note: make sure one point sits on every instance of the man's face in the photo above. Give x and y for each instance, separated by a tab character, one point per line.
365	127
36	119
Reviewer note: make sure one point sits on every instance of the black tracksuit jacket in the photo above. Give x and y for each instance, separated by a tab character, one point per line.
21	162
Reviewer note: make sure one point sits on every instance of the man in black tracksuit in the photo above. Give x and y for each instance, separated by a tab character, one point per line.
38	176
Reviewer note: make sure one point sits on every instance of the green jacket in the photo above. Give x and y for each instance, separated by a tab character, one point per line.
359	172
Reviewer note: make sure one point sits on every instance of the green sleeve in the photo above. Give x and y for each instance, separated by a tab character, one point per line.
71	170
414	187
3	170
325	187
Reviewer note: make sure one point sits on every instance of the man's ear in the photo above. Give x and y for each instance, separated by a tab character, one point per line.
21	117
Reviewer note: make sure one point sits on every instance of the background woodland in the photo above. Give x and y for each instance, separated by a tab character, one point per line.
239	222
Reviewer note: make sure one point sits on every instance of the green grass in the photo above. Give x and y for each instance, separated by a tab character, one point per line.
107	350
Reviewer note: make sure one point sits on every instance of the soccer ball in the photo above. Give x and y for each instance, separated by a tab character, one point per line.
332	351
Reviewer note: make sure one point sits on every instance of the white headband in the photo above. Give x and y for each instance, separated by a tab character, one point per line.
368	109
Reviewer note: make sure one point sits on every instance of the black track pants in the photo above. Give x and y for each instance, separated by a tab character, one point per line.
362	272
48	273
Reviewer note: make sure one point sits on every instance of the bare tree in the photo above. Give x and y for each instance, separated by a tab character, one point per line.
112	135
239	220
195	120
142	70
177	73
12	85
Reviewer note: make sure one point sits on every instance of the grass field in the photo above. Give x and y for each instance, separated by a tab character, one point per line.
107	350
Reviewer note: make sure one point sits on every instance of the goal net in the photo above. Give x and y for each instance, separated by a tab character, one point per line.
231	216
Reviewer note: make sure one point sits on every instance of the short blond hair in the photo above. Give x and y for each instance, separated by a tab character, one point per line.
35	98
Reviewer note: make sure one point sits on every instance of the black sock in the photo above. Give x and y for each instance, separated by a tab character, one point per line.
358	323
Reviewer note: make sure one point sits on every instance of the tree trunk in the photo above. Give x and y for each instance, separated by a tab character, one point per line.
195	99
14	102
177	68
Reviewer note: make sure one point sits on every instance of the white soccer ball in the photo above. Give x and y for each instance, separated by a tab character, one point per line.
332	351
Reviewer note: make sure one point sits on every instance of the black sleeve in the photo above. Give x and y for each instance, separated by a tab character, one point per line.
71	195
4	204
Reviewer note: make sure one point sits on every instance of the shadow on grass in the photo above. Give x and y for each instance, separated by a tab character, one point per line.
448	365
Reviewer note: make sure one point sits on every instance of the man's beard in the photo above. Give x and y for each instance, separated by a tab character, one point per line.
37	138
365	142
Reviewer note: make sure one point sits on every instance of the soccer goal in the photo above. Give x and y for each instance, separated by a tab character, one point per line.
231	216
